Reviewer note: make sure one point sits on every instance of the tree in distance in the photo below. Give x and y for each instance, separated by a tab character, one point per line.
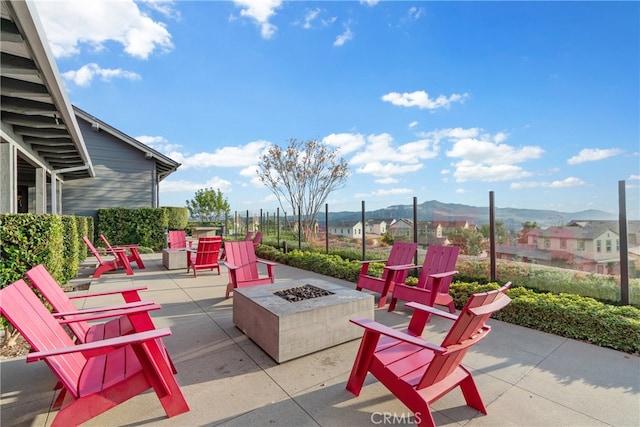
208	205
302	176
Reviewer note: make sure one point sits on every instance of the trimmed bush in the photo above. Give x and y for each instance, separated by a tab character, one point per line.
177	218
71	247
27	240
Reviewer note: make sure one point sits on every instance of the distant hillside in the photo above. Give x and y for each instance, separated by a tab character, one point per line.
511	217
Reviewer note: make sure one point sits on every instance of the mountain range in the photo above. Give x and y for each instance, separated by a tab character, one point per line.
513	218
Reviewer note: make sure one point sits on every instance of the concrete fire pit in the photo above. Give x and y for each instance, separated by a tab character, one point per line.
286	330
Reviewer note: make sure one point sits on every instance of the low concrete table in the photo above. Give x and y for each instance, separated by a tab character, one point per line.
286	330
174	259
197	232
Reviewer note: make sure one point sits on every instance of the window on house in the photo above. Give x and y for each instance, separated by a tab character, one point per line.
598	245
581	246
563	243
547	243
617	245
608	243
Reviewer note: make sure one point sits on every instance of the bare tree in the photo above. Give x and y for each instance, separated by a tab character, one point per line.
303	175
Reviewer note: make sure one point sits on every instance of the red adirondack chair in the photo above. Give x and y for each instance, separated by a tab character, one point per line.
242	264
64	309
205	256
132	256
62	304
417	372
177	239
98	375
435	278
248	236
257	239
119	260
401	254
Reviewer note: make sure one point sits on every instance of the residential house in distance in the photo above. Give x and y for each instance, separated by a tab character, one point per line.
401	229
377	226
349	229
590	246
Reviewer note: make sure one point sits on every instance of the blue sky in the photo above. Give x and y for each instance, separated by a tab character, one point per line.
536	101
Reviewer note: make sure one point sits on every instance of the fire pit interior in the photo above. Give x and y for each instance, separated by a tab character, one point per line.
301	293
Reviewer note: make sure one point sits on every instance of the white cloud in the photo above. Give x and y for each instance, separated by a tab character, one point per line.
158	143
169	185
492	153
344	142
413	124
565	183
84	75
261	12
239	156
634	177
422	100
593	154
344	37
70	25
369	2
310	17
470	171
386	180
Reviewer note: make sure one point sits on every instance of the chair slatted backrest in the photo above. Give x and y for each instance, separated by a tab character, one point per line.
177	239
20	306
401	253
52	292
257	239
208	250
468	329
93	249
242	255
249	235
438	259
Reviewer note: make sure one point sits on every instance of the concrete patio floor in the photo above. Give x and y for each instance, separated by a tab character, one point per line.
526	378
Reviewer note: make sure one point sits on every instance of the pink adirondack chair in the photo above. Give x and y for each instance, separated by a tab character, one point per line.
177	239
62	303
205	256
64	309
242	264
401	254
435	278
119	260
98	375
132	256
417	372
257	239
248	236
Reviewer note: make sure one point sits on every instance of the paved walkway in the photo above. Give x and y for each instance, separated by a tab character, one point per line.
526	378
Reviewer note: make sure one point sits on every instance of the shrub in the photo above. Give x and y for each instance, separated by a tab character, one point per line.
177	218
27	240
71	246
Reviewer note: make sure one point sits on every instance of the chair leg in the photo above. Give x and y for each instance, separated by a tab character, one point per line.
471	394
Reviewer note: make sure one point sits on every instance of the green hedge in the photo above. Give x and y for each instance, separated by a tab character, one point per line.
27	240
177	218
565	315
143	226
71	248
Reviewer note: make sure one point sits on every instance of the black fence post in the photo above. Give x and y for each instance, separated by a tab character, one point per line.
492	236
364	234
326	228
624	244
415	228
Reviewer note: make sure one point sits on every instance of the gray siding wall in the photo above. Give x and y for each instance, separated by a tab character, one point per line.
124	178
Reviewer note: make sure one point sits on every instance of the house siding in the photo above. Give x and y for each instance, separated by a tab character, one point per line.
123	177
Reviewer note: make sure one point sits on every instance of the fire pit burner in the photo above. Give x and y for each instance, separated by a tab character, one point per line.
301	293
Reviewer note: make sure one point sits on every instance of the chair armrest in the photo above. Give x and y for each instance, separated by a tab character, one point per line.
128	305
230	266
118	291
372	325
97	348
402	267
267	262
431	310
368	261
443	275
73	317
